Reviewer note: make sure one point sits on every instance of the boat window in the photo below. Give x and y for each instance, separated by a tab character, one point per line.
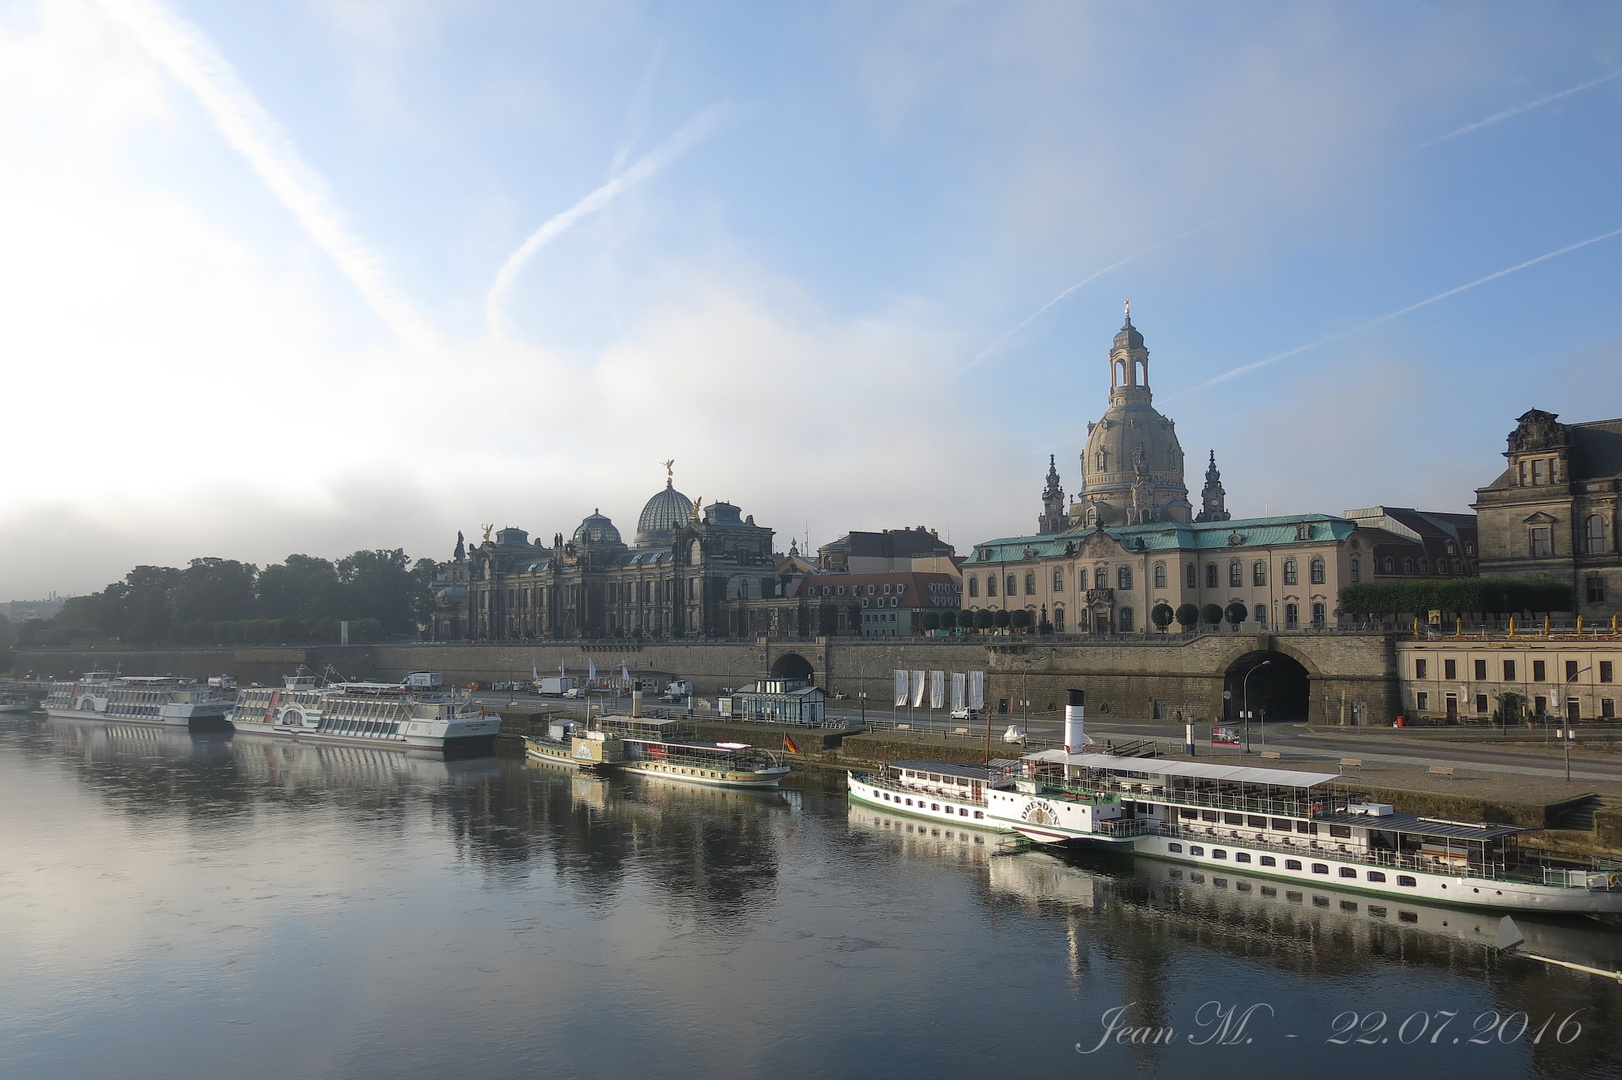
1218	853
1309	827
1340	830
1233	819
1347	905
934	778
909	802
1210	815
962	812
1178	848
1293	897
1268	890
1292	864
1375	875
1407	916
934	806
1242	886
1320	901
1175	875
1348	871
978	814
1377	912
1256	821
1406	882
1185	813
1241	856
1268	860
1196	850
1220	882
1320	868
1283	824
1198	879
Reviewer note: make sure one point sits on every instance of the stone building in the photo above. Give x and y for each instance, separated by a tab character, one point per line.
1467	678
1553	513
689	573
918	549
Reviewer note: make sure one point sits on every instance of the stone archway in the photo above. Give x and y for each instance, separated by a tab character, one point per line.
792	666
1280	684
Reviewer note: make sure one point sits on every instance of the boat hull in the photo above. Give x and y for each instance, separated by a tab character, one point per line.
924	805
167	716
471	743
694	774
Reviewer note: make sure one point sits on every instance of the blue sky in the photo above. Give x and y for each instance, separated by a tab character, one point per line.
249	302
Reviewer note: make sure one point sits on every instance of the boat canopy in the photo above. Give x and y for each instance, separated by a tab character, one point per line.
1236	774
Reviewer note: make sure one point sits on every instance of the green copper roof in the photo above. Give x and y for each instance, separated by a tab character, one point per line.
1172	536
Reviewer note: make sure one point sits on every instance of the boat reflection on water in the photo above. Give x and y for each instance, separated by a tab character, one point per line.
104	740
1241	908
916	838
293	765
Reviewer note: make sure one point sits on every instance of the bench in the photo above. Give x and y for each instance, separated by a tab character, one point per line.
1270	754
960	731
1352	761
903	727
1441	770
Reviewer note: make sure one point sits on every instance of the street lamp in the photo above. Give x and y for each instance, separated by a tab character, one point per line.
1244	686
1565	723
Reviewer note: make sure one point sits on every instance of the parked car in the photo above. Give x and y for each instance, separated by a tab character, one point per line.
575	692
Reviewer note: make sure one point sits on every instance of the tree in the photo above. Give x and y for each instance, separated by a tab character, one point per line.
1211	614
1511	708
983	619
210	590
1021	619
931	620
304	587
1236	613
377	585
1162	615
1001	618
1188	616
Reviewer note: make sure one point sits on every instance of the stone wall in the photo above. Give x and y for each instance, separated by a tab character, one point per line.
1123	679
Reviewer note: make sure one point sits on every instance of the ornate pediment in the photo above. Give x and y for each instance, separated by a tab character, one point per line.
1537	430
1540	518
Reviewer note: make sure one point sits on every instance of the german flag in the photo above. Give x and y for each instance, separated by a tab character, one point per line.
788	745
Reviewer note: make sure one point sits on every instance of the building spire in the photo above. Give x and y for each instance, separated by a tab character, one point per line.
1213	500
1052	519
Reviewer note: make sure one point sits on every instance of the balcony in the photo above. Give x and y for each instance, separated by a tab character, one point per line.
1101	596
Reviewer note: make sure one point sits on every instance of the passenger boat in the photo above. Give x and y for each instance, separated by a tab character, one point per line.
141	699
938	790
14	703
571	743
364	714
663	748
1286	824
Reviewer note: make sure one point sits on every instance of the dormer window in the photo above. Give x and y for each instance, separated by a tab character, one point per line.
1303	532
1540	472
841	590
901	588
887	590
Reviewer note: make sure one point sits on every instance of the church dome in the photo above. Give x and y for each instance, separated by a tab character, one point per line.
595	531
661	517
1128	337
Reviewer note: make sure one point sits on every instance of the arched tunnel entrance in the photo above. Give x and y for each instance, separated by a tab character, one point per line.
792	666
1276	683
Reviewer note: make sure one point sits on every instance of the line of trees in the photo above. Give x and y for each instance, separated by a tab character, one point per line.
1455	596
380	593
984	619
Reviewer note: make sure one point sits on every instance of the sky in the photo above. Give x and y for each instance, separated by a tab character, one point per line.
318	275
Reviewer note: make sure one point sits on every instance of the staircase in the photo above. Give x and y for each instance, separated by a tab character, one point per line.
1145	748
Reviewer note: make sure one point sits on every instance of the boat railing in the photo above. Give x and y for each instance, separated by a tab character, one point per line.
939	791
1312	849
1159	793
1135	826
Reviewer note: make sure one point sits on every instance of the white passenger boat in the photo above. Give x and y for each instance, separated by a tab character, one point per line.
141	699
15	703
570	743
1293	825
938	790
365	714
663	748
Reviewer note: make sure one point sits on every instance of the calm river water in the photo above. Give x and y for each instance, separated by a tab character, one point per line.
181	905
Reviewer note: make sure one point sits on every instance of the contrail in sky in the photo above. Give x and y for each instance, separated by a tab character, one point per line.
645	168
1248	368
194	62
1095	275
1518	109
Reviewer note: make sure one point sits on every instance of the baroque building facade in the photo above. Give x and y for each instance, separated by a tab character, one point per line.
1553	512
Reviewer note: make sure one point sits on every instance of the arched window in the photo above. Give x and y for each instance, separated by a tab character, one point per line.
1193	577
1098	461
1012	585
1261	616
991	584
1058	620
974	585
1317	570
1236	574
1292	617
1126	620
1458	567
1258	573
1596	534
1356	570
1123	578
1390	565
1318	616
1100	578
1160	575
1424	565
1030	583
1210	575
1092	516
1058	581
1407	566
1290	575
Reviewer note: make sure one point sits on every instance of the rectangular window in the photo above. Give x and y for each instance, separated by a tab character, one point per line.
1419	668
1160	577
1571	671
1320	868
1126	620
1539	671
1481	703
1283	824
1450	670
1268	860
1195	849
1218	853
1422	701
1241	856
1605	671
1292	864
1176	849
991	585
974	586
1210	576
1481	671
1236	574
1542	542
1193	579
1540	472
1607	708
1348	871
1376	875
1509	671
1342	831
1308	827
1256	822
1408	883
1233	819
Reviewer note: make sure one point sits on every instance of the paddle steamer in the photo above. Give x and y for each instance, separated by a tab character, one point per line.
364	714
140	699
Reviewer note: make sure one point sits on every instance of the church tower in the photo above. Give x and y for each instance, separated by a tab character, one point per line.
1132	469
1053	518
1213	500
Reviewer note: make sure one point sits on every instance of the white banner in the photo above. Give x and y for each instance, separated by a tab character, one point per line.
977	690
591	670
918	687
900	687
937	689
960	691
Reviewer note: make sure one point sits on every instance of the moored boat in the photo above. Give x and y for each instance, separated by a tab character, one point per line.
140	699
938	790
15	703
365	714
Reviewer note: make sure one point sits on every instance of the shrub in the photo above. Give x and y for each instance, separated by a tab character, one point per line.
1188	616
1236	613
1162	615
1021	619
931	620
983	619
1211	614
1001	618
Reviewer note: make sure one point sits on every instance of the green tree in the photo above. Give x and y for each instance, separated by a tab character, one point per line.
1001	618
1021	619
1188	616
931	620
1236	613
377	585
303	587
983	619
1211	614
211	590
1162	615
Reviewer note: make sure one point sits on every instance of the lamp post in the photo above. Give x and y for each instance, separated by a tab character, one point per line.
1244	686
1567	731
